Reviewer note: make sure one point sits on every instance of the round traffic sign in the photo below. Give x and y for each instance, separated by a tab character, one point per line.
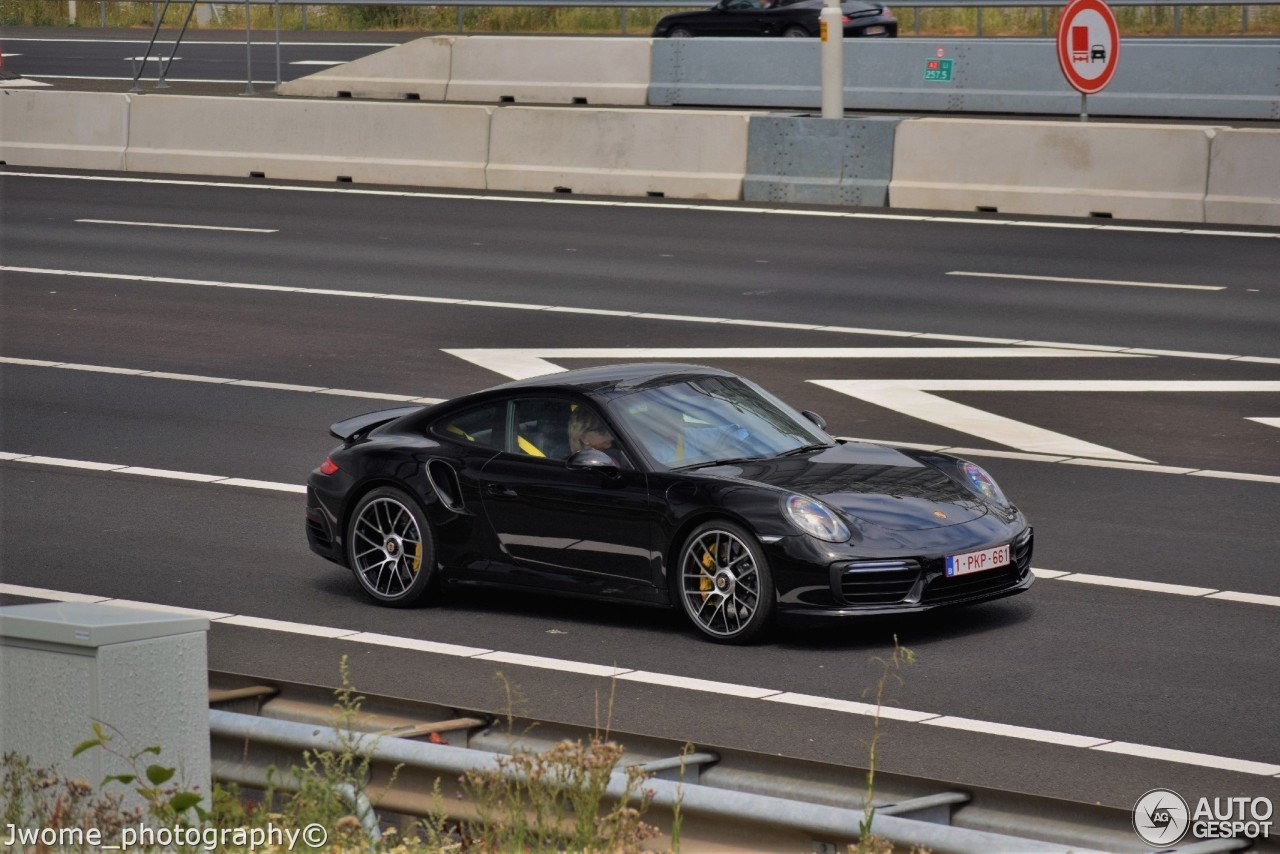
1088	45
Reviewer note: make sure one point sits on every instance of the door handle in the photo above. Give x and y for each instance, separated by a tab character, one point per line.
498	490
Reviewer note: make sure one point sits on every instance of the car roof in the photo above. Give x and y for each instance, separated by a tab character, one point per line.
609	380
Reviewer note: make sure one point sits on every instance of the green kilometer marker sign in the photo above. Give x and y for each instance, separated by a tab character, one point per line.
938	70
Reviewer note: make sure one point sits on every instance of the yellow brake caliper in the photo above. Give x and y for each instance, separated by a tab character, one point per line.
705	584
417	558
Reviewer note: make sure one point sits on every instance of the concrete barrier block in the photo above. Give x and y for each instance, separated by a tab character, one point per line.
619	152
550	70
436	145
811	160
1126	171
417	70
1244	178
63	130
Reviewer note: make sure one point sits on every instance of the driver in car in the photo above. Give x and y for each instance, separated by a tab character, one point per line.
586	430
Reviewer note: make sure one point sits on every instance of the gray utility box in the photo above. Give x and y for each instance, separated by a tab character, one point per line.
144	673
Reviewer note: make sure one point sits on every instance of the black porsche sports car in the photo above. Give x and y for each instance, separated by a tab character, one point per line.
673	485
790	18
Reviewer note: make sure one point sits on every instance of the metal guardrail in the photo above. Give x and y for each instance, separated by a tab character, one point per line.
719	789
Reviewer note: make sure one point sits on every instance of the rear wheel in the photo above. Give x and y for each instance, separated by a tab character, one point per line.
725	585
390	547
680	33
795	32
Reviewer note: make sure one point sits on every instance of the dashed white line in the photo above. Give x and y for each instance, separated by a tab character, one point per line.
326	62
166	375
768	324
623	203
179	225
1067	280
749	692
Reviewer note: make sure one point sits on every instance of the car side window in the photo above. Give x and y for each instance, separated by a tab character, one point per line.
556	428
541	427
482	426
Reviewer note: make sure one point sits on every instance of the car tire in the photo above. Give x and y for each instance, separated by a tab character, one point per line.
390	547
724	583
795	32
680	33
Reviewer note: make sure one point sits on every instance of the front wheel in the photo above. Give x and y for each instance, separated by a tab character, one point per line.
680	33
390	547
794	32
725	585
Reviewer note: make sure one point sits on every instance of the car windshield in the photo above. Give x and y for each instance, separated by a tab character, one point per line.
700	420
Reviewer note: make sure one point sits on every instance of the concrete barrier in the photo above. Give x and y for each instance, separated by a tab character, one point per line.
619	152
818	161
417	70
437	145
1244	178
1185	78
1127	171
63	130
550	70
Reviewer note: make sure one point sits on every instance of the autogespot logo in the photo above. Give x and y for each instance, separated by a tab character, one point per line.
1160	817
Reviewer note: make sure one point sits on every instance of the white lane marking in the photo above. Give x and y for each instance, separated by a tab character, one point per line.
1236	475
51	595
914	398
850	707
165	375
326	62
1270	422
170	609
552	663
150	58
71	464
1027	278
23	83
286	626
179	225
1186	757
418	645
1049	458
1221	357
262	484
909	397
1251	598
691	684
519	364
1044	736
992	728
168	474
624	203
1157	587
1137	584
849	330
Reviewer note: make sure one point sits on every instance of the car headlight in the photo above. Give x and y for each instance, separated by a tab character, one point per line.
977	479
816	519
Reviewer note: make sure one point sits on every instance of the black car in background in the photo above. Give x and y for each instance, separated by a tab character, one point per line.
787	18
670	485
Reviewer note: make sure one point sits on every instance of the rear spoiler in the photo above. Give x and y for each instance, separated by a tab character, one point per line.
353	427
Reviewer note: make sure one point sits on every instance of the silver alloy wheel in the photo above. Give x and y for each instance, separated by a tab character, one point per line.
720	582
387	547
796	33
680	33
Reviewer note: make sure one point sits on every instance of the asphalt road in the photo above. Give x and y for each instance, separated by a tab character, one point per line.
74	56
1141	469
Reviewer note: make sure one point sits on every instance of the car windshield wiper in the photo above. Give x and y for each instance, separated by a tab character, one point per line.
803	449
723	462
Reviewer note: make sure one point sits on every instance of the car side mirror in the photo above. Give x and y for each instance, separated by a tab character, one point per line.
591	459
816	419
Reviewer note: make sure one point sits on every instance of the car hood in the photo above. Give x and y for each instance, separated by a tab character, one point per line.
872	483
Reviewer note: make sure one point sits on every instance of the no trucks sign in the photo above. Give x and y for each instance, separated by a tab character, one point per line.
1088	45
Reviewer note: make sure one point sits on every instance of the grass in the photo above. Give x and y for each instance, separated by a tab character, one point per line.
1133	20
